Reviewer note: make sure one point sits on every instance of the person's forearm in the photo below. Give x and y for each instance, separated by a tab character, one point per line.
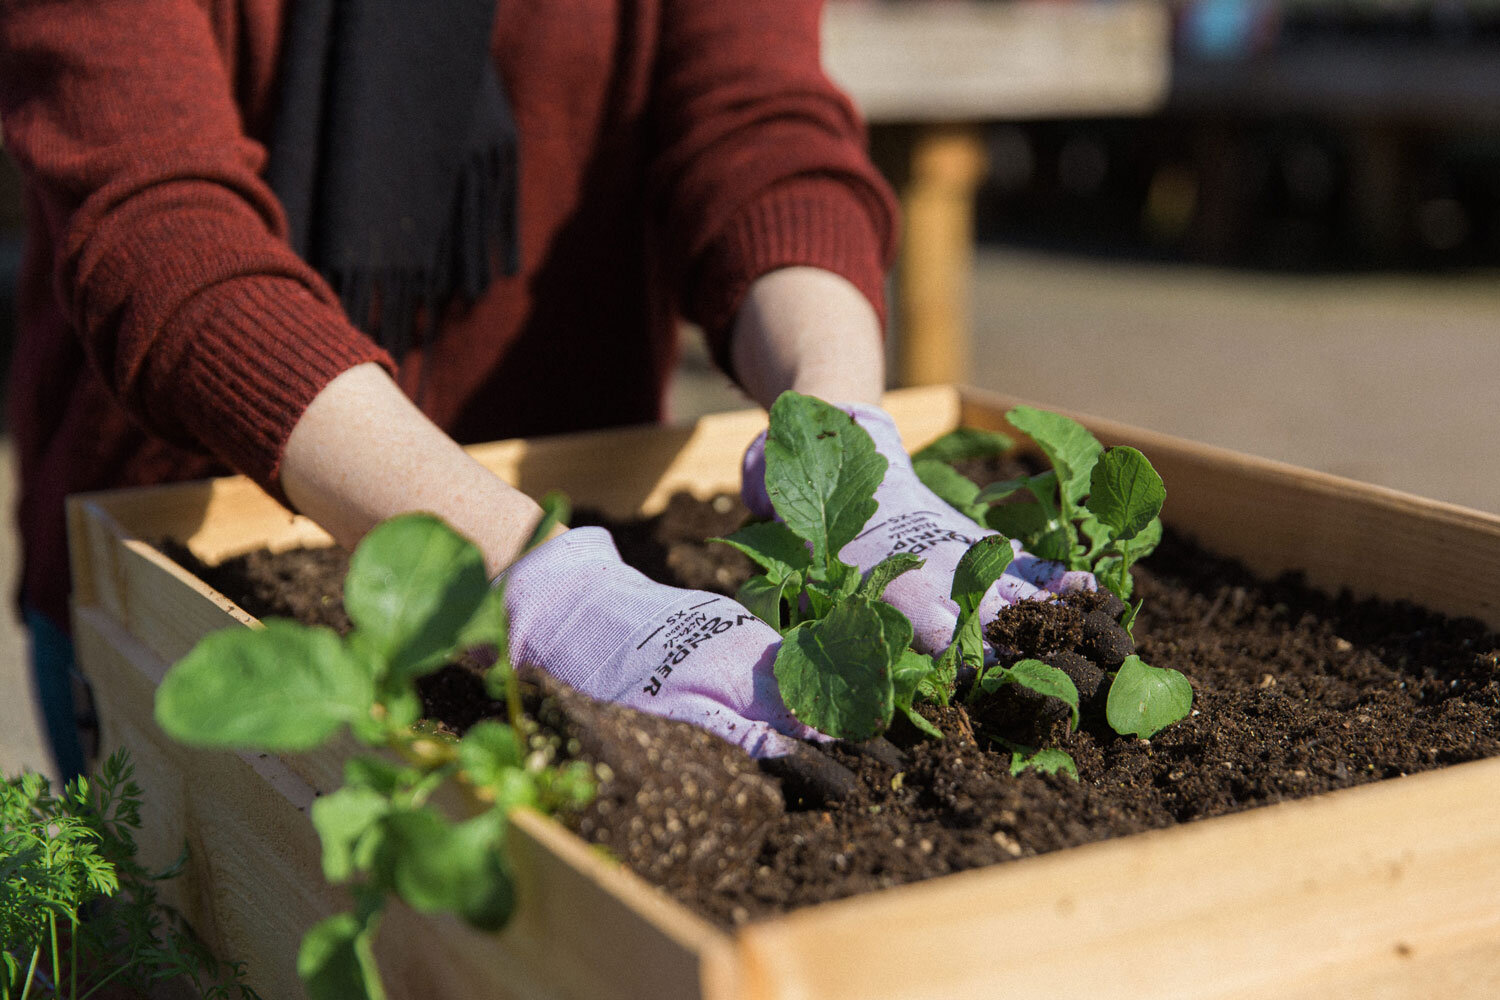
362	452
807	329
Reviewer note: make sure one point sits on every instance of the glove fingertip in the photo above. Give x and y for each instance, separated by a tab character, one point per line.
753	478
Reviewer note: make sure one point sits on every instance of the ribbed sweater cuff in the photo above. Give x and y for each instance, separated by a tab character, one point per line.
806	221
255	352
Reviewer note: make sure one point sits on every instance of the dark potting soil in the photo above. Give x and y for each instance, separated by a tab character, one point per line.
1295	693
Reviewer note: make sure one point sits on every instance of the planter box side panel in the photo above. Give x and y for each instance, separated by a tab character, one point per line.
1387	881
254	881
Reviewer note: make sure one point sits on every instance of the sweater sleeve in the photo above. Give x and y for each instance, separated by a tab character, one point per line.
761	161
171	257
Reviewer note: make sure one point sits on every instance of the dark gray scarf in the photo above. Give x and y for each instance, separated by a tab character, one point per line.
394	154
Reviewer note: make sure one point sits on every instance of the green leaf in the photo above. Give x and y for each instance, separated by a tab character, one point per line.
285	687
912	672
489	625
821	473
954	489
774	546
978	569
762	597
1145	543
835	673
414	584
1017	520
1143	700
1068	445
336	960
1125	493
436	866
1039	677
344	820
379	775
1048	761
885	571
556	509
1009	487
843	580
963	443
895	628
488	751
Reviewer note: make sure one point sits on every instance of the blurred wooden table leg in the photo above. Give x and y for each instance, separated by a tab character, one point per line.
947	163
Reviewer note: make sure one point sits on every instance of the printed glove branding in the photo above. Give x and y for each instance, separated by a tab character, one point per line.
683	632
915	532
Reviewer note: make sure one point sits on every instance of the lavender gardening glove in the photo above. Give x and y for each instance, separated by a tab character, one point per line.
911	518
605	629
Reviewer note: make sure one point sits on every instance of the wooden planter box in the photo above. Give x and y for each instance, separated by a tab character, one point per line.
1386	890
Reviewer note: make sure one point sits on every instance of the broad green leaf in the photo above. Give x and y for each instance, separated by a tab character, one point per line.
821	472
1125	493
1041	483
1039	677
1143	700
379	775
344	820
895	628
489	625
437	866
912	672
1068	445
285	687
954	489
835	673
1048	761
488	750
978	569
1145	543
761	596
963	443
843	581
774	546
967	644
413	585
885	571
336	960
1099	534
1017	520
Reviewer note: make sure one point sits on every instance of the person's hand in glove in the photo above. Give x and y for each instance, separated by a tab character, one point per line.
581	615
911	518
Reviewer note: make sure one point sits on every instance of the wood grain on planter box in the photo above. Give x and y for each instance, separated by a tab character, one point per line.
1386	890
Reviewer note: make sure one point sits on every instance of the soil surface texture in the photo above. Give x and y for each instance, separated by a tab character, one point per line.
1295	693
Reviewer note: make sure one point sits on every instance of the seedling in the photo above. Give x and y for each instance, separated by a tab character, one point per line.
845	665
1094	510
418	595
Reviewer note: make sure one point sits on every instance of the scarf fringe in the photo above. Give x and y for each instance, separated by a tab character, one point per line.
398	307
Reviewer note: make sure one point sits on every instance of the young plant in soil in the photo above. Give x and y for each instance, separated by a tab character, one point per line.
418	596
846	664
78	913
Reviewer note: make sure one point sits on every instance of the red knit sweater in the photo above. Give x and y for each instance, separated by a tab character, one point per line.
671	152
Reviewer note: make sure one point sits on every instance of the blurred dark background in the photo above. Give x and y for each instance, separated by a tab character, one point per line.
1295	136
